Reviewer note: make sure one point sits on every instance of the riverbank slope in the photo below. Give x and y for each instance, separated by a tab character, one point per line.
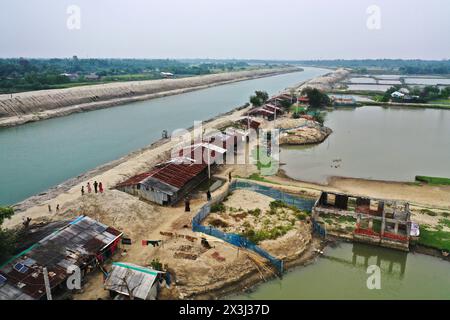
32	106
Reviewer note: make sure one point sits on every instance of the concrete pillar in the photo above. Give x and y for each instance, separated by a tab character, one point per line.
380	207
358	221
371	224
396	227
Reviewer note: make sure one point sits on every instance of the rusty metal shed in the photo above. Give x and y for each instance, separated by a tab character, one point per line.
79	243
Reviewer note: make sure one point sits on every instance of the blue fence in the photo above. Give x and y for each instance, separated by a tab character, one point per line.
237	240
301	203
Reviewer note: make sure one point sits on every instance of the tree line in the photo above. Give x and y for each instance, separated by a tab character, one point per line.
20	74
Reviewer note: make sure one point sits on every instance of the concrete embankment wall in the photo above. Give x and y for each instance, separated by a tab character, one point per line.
34	102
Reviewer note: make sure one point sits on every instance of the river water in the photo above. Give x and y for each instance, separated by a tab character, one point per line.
36	156
378	143
341	273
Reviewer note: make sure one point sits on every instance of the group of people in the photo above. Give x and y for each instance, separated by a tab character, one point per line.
50	208
98	187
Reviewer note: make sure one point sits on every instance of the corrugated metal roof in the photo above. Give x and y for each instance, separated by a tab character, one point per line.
126	277
71	245
173	176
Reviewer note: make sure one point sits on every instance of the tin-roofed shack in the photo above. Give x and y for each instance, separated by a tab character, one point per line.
382	222
248	123
133	281
84	242
167	183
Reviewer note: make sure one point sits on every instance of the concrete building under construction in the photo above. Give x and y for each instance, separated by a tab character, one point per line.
381	222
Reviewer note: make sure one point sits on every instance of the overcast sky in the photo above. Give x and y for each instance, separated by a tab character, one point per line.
262	29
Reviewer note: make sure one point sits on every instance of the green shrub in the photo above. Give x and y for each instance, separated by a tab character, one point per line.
255	212
277	204
218	207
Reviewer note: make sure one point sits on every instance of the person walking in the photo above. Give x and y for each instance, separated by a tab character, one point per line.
57	207
89	189
49	208
100	187
82	190
208	195
95	186
229	176
187	205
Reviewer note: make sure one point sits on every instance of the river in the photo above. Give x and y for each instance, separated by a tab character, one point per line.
39	155
394	144
341	273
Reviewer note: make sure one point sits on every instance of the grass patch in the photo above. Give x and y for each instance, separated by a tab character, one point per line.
218	207
256	236
258	177
255	212
445	222
441	101
376	226
435	239
434	180
428	212
346	219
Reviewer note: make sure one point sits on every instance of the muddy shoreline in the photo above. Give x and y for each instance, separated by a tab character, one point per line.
252	280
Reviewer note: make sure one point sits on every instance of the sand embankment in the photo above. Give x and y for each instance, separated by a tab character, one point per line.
325	82
32	106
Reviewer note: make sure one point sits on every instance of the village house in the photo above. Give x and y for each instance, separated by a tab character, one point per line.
167	183
204	153
249	123
262	112
130	281
71	76
82	243
92	77
282	97
274	108
303	100
343	101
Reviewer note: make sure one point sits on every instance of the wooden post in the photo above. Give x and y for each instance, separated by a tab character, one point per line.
47	284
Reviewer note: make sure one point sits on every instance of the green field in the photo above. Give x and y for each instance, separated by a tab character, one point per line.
435	239
441	101
433	180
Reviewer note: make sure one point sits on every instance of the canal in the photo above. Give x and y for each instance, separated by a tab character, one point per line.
394	144
37	156
341	273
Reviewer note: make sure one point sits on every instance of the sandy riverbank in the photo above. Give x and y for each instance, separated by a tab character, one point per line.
32	106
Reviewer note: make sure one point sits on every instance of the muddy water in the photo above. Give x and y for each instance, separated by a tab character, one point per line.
36	156
341	273
393	144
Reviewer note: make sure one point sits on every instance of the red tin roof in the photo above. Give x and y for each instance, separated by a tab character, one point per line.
173	174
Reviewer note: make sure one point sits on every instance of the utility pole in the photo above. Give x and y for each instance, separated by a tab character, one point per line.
209	164
47	284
